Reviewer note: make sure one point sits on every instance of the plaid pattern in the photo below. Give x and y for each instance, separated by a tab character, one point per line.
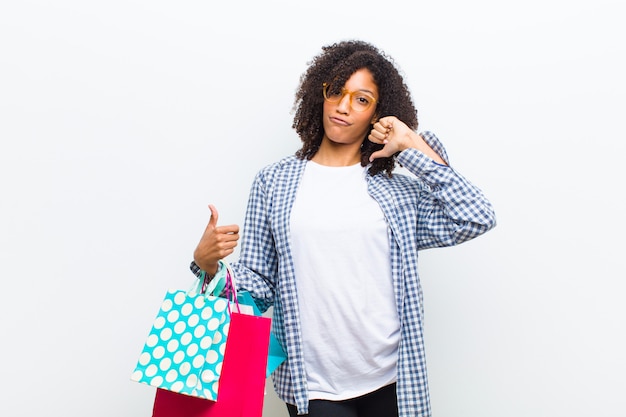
438	208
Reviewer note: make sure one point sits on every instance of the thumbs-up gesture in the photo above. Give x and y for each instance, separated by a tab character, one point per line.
217	242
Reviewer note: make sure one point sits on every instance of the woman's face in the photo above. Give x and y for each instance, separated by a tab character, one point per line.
342	123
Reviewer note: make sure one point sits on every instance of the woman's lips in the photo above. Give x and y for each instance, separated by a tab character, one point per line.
339	121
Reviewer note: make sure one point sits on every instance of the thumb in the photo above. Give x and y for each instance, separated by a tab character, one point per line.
213	219
377	154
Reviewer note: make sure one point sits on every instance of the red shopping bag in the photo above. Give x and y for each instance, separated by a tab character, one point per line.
242	381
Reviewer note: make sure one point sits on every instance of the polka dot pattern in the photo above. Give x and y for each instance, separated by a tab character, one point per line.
185	348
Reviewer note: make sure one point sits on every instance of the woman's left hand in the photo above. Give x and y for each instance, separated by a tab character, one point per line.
396	136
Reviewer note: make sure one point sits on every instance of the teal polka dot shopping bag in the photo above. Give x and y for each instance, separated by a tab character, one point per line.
184	350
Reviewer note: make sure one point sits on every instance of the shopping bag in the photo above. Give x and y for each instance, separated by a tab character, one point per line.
184	350
244	369
242	381
172	404
276	354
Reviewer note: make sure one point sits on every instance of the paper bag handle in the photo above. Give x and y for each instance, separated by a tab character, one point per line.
224	280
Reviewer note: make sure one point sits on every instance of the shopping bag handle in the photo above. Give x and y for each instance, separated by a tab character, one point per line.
215	286
224	280
231	288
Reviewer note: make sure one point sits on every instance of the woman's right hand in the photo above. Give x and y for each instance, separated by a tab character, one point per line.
217	242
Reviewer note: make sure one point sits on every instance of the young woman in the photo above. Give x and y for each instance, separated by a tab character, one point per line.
332	236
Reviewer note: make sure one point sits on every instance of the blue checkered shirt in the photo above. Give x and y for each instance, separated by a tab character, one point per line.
437	207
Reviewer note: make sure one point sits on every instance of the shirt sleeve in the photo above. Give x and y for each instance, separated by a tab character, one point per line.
451	210
195	269
257	267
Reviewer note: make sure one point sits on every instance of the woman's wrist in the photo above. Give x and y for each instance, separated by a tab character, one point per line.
208	278
211	269
419	143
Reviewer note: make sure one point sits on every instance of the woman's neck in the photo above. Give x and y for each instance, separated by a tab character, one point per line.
337	155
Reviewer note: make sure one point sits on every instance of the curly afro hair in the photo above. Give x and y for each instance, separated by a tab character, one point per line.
336	63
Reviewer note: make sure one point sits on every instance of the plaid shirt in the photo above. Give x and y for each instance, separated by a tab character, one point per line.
438	208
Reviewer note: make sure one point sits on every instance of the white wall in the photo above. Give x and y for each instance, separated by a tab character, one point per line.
121	120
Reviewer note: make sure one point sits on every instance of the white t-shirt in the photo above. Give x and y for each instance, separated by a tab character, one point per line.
348	313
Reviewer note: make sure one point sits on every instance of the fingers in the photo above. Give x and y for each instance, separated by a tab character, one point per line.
224	236
386	123
227	229
383	133
381	130
378	135
225	240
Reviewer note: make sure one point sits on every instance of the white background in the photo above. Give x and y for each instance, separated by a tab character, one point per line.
121	120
